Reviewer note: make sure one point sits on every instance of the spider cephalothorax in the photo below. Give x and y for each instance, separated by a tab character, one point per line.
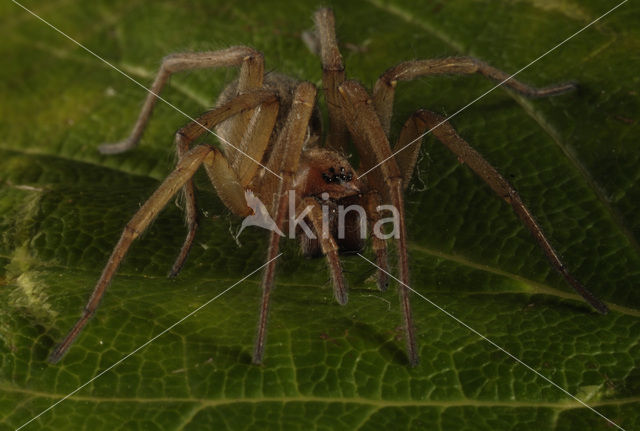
328	177
325	171
270	129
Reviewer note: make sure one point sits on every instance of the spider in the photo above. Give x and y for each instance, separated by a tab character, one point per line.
274	125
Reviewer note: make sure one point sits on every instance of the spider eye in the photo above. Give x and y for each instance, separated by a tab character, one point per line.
333	177
340	175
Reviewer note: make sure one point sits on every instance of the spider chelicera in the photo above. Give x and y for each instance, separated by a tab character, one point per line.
274	125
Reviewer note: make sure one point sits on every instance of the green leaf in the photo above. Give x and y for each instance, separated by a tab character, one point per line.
573	158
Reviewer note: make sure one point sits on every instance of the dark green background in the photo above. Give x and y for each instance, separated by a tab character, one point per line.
573	158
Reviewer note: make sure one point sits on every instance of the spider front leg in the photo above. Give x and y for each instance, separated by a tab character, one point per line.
285	156
373	147
250	77
136	226
218	169
424	120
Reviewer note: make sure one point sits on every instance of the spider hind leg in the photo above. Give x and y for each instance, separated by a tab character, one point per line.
250	61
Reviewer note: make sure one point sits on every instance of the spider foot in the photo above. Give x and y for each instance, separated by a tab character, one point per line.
117	147
554	90
179	263
175	270
186	247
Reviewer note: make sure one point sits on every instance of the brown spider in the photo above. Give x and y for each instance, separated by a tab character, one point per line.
272	119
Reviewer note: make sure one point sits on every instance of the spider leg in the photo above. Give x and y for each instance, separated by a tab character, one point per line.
285	156
230	192
250	60
329	248
223	174
333	75
136	226
373	147
423	120
372	200
407	155
384	89
190	210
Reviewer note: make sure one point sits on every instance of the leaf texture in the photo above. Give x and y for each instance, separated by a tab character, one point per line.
573	158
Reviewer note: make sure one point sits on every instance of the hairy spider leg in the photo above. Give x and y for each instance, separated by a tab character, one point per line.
284	158
250	60
329	248
251	63
234	175
423	120
138	223
373	147
214	162
333	74
373	200
385	86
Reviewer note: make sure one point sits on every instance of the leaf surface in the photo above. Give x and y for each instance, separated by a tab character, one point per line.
573	158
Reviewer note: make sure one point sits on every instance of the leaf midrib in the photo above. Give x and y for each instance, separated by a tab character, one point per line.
562	405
